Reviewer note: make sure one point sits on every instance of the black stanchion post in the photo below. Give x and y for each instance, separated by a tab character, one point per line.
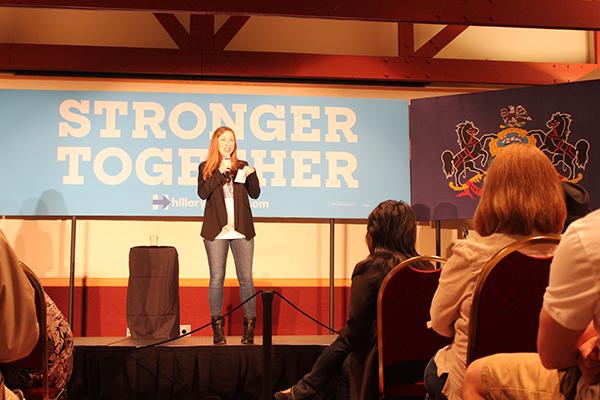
438	237
331	273
267	385
72	271
438	240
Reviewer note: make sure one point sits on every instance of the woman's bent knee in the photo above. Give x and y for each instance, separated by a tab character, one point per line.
472	385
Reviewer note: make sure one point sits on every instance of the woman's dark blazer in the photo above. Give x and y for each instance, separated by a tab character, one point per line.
215	213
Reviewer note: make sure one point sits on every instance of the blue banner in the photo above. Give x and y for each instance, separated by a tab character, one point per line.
106	153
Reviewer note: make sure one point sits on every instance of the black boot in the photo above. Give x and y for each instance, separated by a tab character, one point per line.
218	326
249	324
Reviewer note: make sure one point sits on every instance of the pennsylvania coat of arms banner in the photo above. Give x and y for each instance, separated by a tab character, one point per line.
454	139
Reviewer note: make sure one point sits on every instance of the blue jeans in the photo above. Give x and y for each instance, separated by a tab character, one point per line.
434	383
243	252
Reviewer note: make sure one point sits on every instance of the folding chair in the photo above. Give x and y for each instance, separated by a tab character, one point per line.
508	298
405	344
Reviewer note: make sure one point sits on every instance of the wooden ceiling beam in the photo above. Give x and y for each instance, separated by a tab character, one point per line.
406	39
552	14
175	29
228	30
390	69
202	35
260	65
432	47
98	59
202	31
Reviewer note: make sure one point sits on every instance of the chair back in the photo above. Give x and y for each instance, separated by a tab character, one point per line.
38	358
507	300
405	344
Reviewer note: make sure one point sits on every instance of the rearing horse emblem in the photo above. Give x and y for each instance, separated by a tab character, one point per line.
555	143
468	167
472	151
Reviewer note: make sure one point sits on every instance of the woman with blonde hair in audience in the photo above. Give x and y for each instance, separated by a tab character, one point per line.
521	197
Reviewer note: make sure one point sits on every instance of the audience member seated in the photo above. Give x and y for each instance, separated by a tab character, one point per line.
521	197
18	325
60	355
577	200
60	343
567	364
391	236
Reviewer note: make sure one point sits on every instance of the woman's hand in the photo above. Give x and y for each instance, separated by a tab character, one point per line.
248	170
588	362
225	165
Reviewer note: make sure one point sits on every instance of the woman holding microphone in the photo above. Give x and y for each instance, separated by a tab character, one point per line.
225	183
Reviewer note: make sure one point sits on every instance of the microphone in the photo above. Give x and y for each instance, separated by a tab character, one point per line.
227	172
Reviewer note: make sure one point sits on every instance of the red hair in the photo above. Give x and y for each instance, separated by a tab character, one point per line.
214	156
521	194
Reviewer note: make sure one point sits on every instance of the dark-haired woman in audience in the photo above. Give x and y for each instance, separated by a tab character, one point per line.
391	236
521	197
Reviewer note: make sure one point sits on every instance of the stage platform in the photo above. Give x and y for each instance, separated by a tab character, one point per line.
188	368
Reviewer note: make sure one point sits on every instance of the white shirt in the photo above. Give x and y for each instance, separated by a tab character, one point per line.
572	297
451	305
228	231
